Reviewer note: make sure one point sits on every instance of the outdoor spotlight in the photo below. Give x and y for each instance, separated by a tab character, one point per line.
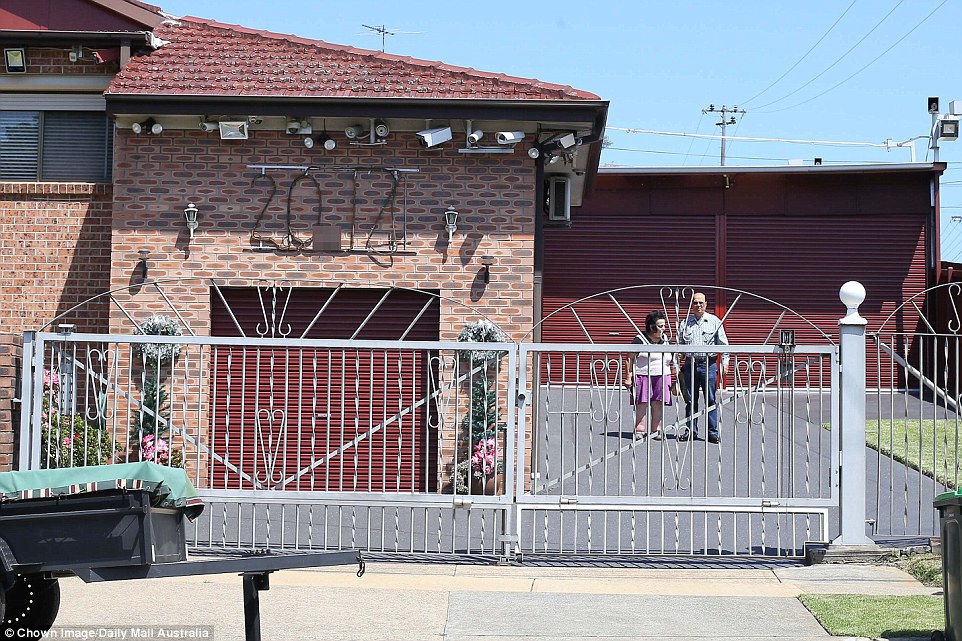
149	126
321	139
354	132
190	214
534	152
434	137
451	222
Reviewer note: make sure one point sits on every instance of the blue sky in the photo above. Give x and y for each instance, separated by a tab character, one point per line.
843	71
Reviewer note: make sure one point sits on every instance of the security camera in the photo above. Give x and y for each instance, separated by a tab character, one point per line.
354	131
208	126
293	126
475	136
381	130
509	137
434	137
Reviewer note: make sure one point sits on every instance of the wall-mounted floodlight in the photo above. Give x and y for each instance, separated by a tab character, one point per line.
949	128
15	60
149	126
434	137
233	129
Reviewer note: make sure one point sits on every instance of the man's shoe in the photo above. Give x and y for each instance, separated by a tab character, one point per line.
687	436
714	438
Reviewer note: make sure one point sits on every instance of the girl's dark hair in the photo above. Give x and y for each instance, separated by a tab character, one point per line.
651	321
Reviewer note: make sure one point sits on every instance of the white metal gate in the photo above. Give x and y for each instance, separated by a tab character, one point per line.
522	449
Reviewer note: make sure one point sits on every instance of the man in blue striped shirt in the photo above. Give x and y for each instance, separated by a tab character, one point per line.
701	368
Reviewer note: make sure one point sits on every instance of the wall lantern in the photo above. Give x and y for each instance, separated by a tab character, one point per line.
15	60
190	213
451	222
486	261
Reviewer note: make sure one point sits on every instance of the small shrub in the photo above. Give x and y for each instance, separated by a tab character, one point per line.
69	441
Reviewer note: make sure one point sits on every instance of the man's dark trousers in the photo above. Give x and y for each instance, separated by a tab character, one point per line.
702	377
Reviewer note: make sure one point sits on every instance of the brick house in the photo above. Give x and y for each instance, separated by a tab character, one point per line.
124	117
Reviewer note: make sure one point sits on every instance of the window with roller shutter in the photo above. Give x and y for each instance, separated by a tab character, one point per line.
66	146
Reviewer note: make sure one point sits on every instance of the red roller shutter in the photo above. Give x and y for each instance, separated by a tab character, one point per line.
311	403
622	238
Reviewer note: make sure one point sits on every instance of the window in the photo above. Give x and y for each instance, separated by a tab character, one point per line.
55	146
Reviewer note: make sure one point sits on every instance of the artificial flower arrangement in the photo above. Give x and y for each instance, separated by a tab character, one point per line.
158	325
483	331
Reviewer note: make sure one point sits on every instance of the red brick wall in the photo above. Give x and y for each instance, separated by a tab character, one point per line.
156	176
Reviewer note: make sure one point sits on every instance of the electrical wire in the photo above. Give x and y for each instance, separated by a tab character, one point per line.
838	60
747	138
692	143
833	87
811	49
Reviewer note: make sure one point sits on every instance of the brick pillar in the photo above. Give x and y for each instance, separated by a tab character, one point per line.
10	359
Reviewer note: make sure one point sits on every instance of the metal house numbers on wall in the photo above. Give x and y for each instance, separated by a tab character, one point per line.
378	222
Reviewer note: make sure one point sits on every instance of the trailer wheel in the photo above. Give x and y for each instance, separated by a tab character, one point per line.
32	603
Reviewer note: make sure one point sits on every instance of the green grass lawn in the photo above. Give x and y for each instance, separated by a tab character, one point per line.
876	616
932	450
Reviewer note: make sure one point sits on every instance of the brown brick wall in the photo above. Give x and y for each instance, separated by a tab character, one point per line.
156	176
54	252
48	60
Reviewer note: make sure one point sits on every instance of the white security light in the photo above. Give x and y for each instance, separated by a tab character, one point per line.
233	129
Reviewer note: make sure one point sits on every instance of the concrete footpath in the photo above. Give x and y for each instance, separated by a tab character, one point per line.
471	602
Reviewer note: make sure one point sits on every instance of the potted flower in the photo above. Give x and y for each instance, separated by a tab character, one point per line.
67	439
483	472
156	354
150	428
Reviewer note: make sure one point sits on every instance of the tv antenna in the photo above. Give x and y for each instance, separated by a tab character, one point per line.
384	32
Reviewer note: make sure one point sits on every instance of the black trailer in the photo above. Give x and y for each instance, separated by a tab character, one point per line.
111	523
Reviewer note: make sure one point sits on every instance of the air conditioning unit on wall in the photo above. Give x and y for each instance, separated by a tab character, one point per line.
559	199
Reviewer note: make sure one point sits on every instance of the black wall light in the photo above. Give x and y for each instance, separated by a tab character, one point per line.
144	254
486	261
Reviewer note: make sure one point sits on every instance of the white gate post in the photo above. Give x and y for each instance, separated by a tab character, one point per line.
851	331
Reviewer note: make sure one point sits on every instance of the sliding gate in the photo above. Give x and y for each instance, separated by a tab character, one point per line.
447	448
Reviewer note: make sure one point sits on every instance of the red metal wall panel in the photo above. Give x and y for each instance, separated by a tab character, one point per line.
362	400
792	237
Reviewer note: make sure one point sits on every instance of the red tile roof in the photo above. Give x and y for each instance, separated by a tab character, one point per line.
205	58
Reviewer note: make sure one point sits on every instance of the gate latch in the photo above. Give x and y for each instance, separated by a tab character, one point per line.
568	500
460	501
769	503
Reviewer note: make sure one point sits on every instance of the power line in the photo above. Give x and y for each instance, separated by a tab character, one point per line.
824	35
838	60
656	132
863	68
